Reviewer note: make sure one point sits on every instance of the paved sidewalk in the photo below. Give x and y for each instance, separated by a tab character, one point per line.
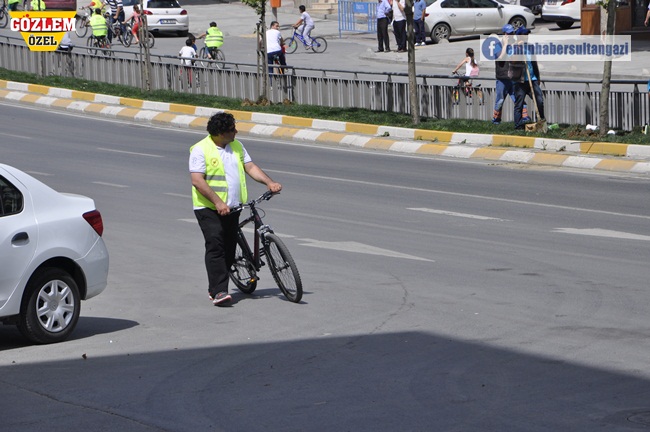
501	148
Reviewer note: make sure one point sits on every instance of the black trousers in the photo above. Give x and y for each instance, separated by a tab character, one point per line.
382	35
220	233
399	28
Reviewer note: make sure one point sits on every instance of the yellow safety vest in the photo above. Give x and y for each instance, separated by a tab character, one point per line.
13	1
214	37
38	5
98	23
215	175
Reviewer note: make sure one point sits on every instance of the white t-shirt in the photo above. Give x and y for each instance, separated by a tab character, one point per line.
187	52
306	19
273	37
231	166
398	15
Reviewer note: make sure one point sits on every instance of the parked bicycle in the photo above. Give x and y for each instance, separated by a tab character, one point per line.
96	44
244	271
82	21
212	53
4	15
465	86
318	44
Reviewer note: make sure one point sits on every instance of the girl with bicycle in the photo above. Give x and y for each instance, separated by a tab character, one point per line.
135	25
471	70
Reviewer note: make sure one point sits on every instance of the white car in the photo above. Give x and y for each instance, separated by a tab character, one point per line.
162	15
52	256
563	12
468	17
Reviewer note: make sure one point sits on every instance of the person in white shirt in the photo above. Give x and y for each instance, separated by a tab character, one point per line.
304	25
187	55
399	24
274	43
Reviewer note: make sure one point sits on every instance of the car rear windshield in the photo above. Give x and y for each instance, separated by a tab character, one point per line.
163	4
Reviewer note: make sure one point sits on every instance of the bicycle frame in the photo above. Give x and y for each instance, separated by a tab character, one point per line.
260	230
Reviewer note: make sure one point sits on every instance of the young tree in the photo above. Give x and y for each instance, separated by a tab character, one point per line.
610	7
262	61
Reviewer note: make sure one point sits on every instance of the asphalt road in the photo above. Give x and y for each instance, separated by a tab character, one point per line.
439	295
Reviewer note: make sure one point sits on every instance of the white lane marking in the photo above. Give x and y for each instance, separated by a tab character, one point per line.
177	195
129	152
464	215
110	184
38	173
441	192
15	136
194	221
597	232
351	246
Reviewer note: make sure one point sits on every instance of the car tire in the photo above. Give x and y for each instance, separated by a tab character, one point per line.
50	308
440	31
565	25
517	22
183	33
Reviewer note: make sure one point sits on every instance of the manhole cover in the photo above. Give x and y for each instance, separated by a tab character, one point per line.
642	418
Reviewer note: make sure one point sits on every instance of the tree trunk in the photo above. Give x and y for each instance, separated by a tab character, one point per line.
413	83
607	72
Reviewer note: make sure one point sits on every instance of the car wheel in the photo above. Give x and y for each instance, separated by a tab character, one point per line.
564	25
183	33
440	31
517	22
50	308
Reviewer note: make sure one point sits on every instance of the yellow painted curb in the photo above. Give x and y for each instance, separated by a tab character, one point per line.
331	137
379	143
62	103
202	123
432	149
128	113
361	128
137	103
184	109
95	107
36	88
241	115
488	153
84	96
603	148
513	141
163	118
548	159
429	135
285	132
615	165
297	121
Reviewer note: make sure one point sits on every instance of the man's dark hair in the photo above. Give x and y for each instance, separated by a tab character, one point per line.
213	24
301	8
220	123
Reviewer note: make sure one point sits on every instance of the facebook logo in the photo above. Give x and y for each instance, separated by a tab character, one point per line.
490	48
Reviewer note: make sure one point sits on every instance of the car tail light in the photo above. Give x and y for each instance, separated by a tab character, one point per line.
94	218
148	12
567	2
183	12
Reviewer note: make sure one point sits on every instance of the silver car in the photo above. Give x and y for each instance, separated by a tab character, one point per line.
473	17
52	256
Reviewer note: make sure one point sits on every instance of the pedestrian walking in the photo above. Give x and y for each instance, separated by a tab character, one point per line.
384	15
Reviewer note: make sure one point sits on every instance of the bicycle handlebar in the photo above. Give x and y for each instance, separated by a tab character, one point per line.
264	197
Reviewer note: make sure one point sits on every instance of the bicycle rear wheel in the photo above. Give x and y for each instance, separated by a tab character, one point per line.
150	39
81	27
318	44
4	17
220	57
242	272
283	268
91	42
292	45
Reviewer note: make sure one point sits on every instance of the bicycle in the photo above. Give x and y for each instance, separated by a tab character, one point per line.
465	85
247	264
4	15
95	44
151	41
318	44
124	38
82	22
212	53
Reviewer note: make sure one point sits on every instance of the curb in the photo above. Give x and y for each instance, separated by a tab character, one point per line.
538	151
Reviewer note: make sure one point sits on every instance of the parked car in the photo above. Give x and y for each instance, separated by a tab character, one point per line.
534	5
52	256
563	12
466	17
162	15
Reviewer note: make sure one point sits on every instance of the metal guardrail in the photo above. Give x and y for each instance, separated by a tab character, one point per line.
572	102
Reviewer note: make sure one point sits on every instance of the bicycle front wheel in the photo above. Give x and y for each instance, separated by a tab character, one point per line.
283	268
292	45
81	27
220	57
318	44
242	271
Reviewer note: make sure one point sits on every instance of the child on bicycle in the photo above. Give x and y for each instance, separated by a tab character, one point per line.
471	70
135	16
305	25
213	39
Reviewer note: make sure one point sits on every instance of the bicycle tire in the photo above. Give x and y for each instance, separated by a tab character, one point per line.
81	27
283	268
91	43
318	44
203	54
4	17
151	39
127	37
242	272
291	45
220	59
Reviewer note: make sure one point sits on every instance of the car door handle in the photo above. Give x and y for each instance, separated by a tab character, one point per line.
21	237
